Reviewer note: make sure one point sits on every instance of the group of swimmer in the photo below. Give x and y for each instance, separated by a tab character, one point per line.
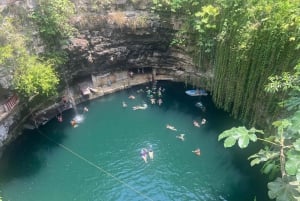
181	137
154	95
197	124
147	152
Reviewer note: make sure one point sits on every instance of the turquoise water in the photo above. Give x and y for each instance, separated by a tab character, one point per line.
100	159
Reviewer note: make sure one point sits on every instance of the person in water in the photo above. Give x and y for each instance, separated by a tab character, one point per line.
197	152
144	154
181	137
74	123
85	109
124	104
131	97
150	152
171	127
196	123
140	107
203	121
59	118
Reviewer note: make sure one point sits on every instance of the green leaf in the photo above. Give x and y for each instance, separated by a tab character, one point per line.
243	141
268	168
283	190
292	164
296	144
255	161
262	156
241	134
229	142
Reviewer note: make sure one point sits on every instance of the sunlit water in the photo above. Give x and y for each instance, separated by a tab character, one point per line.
100	159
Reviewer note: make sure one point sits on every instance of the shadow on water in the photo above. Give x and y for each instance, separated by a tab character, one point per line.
25	156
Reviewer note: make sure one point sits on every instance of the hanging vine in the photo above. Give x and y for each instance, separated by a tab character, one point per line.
245	42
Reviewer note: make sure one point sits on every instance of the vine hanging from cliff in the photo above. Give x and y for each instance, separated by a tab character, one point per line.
246	41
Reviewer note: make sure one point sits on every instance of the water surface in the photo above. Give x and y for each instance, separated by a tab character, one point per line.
100	160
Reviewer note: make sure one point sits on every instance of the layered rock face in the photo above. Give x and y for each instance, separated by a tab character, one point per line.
123	36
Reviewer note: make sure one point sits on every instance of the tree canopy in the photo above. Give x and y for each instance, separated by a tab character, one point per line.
34	77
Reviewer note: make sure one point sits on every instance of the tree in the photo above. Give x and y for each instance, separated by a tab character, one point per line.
282	148
35	78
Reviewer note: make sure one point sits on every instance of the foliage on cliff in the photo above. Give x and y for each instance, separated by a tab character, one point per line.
245	41
36	75
52	18
32	76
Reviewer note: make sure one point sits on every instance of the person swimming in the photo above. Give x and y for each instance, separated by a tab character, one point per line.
150	152
124	104
203	121
197	152
196	123
171	127
181	137
74	123
139	107
144	153
160	102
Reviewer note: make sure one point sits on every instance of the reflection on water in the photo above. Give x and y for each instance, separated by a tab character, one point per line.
106	162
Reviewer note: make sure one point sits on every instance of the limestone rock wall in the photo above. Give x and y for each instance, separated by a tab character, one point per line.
123	40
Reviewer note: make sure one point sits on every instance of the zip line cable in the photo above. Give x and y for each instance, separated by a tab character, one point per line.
94	165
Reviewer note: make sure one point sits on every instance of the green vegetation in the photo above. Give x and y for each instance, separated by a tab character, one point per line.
244	42
36	76
31	76
281	153
52	18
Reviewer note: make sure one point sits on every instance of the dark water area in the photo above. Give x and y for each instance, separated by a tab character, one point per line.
100	159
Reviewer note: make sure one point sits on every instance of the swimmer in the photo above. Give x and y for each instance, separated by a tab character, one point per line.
131	97
59	118
85	109
74	123
197	152
203	121
124	104
152	101
181	137
171	127
160	101
144	153
139	107
150	152
196	123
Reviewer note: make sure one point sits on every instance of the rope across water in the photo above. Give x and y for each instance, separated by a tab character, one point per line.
94	165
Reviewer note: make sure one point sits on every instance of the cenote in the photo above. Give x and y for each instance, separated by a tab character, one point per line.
100	159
